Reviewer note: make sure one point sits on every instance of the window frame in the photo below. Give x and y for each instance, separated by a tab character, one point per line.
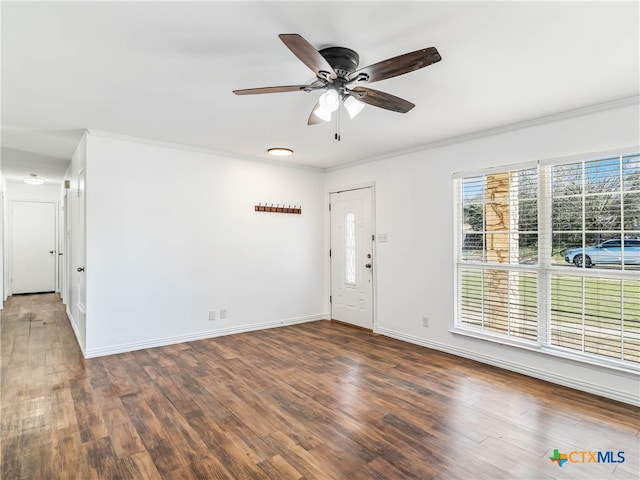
544	268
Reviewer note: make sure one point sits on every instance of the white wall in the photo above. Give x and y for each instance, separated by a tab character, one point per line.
33	193
4	209
414	206
172	234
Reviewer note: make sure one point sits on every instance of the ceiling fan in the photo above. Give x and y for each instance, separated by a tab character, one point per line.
337	73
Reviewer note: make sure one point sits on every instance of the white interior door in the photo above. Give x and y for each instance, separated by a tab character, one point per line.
352	257
63	248
81	278
33	247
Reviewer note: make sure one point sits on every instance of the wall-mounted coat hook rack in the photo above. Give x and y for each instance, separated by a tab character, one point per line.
278	208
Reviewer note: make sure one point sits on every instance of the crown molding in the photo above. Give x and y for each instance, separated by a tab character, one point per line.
600	107
202	150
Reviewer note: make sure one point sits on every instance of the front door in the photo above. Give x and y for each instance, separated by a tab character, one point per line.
352	257
33	247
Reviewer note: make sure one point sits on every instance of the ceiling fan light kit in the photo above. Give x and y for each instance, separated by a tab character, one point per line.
322	113
352	106
330	100
337	73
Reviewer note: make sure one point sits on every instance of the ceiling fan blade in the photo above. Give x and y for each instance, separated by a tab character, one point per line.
313	118
284	88
308	55
399	65
381	99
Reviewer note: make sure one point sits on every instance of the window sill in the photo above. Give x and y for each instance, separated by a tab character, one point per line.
501	339
547	350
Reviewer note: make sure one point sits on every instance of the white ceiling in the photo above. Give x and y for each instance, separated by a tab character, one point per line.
166	71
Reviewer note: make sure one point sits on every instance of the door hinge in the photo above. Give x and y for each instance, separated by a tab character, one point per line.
329	207
329	252
330	299
373	237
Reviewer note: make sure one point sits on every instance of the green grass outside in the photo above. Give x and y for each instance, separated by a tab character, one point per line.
526	255
604	311
602	299
602	296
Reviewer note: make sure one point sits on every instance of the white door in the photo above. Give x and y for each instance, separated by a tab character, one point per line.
81	278
33	247
352	257
63	239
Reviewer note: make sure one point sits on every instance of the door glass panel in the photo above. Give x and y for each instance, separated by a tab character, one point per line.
350	248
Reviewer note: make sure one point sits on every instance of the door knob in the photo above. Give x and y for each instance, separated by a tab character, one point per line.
368	265
80	269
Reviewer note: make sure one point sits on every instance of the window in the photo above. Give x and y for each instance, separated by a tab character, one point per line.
596	204
548	255
350	248
498	286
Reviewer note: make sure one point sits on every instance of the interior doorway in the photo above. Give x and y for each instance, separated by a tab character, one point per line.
33	247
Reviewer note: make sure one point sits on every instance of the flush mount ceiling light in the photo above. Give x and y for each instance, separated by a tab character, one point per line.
280	152
33	179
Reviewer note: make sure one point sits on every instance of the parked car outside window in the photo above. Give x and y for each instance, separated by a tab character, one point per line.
609	252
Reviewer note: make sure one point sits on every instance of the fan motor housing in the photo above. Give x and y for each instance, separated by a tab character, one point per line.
344	61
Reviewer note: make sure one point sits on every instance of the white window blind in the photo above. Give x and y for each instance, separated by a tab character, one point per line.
498	239
499	301
595	226
551	254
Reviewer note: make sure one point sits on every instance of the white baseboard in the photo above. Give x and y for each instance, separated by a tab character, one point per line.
74	327
160	342
552	377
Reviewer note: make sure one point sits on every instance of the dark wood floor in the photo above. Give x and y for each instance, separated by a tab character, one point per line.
313	401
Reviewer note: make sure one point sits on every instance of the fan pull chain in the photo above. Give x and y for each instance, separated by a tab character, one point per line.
337	135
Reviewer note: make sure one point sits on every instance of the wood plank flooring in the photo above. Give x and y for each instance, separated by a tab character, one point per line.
313	401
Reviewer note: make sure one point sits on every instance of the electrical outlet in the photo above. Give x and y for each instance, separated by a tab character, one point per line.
425	321
223	313
212	315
